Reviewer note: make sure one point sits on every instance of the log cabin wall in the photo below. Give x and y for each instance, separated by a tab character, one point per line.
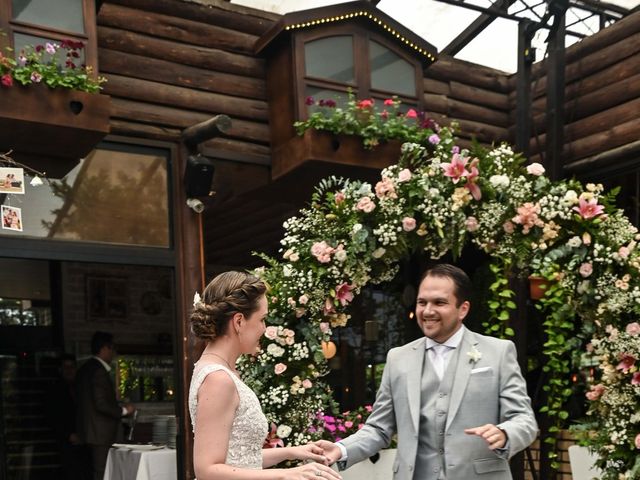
475	96
602	98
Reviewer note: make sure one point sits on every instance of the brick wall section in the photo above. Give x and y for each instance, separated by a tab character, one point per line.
564	472
138	328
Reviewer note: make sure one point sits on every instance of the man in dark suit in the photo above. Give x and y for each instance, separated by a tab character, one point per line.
99	414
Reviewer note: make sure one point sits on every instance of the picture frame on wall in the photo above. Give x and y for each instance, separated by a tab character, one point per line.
107	298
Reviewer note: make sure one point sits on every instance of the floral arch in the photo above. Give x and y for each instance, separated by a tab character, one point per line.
435	200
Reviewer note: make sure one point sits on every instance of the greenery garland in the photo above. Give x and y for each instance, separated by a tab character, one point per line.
435	200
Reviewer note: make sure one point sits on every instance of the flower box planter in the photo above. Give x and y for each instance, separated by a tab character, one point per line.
367	470
64	123
326	147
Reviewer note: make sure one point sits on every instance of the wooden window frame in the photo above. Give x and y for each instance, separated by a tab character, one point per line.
362	68
89	37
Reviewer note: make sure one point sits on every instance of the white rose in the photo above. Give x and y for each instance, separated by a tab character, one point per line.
535	169
574	242
571	197
275	350
286	271
378	252
283	431
341	255
356	228
499	181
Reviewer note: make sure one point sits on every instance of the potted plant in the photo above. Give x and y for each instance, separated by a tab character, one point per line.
47	95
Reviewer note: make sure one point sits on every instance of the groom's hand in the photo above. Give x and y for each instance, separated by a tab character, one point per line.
331	451
495	437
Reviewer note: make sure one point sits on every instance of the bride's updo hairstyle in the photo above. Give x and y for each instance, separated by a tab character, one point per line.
227	294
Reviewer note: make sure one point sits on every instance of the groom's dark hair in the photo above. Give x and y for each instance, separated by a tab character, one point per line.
461	281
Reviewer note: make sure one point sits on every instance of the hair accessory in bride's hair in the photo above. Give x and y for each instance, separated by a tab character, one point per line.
196	299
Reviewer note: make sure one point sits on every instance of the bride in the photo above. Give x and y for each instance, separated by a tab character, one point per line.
227	419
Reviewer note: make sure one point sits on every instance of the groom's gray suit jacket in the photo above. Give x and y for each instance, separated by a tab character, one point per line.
488	390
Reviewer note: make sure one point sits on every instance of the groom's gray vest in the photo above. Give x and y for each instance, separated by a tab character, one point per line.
434	409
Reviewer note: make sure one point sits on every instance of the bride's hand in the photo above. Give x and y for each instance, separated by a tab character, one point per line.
312	471
310	453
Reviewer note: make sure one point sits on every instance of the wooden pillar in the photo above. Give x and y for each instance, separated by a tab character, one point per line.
526	57
555	96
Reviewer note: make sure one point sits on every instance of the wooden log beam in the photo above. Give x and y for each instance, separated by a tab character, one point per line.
600	142
463	110
618	156
600	100
174	28
185	98
435	86
598	61
198	133
223	14
133	129
176	52
178	117
479	96
620	71
485	134
171	73
593	124
450	69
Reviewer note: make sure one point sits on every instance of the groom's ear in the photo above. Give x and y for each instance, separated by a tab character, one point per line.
464	309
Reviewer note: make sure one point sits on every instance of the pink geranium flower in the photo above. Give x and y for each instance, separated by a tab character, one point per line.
411	113
343	293
589	208
368	103
389	102
456	169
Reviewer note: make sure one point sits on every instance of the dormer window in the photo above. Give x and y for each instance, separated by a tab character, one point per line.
325	53
340	59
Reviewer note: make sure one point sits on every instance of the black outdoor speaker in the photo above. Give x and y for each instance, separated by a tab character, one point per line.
198	176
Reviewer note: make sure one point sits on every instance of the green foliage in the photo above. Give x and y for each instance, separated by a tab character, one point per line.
55	65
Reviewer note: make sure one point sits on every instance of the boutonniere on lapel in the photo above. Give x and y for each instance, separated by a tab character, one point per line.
474	354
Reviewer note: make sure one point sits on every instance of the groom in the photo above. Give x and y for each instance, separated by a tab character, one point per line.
456	399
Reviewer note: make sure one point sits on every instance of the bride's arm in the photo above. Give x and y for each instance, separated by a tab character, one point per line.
217	402
310	452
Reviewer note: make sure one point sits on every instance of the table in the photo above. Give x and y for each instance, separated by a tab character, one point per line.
140	463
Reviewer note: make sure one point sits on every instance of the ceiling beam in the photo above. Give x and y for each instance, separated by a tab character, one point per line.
476	27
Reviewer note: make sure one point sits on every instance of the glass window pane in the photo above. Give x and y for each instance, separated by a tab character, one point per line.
20	41
323	94
64	15
391	72
339	49
116	195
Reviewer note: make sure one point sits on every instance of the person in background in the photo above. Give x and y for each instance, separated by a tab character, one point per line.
99	413
456	399
61	412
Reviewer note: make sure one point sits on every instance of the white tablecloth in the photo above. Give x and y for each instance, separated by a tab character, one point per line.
137	464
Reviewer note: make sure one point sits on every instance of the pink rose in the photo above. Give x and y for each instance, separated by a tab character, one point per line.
6	80
472	224
389	102
303	299
586	269
596	392
324	327
637	441
339	198
408	224
535	169
365	204
411	113
508	227
633	329
322	251
624	252
635	380
404	175
306	383
279	368
385	188
348	424
271	333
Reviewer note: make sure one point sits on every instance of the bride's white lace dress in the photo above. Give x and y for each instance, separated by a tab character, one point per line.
250	426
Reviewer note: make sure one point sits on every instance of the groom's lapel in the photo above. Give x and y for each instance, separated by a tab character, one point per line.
461	377
415	361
